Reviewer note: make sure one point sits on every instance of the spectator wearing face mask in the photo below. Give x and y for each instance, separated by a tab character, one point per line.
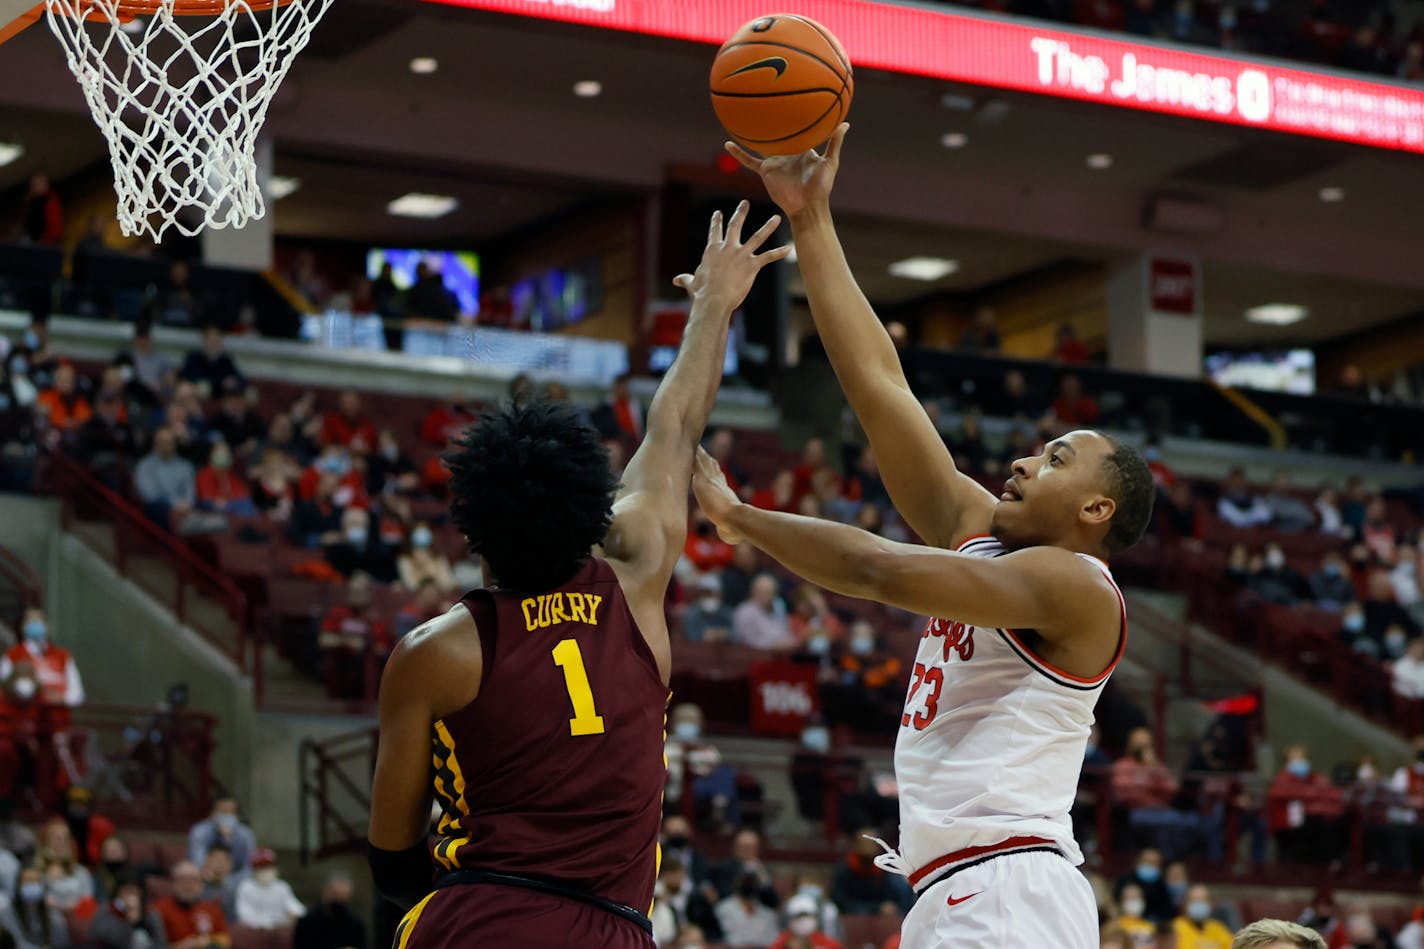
55	671
707	618
866	687
224	827
695	765
221	489
354	641
1331	587
745	863
803	922
745	920
1276	582
1195	928
331	925
420	562
126	921
678	903
1136	928
1305	811
264	899
811	771
29	918
334	465
676	842
189	921
361	550
811	619
1147	875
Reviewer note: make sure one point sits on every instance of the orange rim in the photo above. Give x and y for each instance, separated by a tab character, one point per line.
128	9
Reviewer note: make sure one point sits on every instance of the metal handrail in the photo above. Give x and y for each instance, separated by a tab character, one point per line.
323	767
74	483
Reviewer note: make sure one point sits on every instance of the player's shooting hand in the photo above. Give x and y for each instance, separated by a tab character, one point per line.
728	265
797	182
717	499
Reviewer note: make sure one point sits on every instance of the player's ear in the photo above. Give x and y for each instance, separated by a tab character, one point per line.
1097	509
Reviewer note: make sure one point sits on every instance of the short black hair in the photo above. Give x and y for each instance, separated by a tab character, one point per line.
532	490
1130	485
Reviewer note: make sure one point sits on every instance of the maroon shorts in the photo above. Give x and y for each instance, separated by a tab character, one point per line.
489	916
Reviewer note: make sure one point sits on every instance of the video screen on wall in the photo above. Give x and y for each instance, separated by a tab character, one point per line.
554	299
1288	370
459	271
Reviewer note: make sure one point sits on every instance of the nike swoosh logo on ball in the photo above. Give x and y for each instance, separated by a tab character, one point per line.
771	62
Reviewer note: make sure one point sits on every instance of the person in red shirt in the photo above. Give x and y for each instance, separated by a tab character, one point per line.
334	461
781	496
813	462
354	640
1068	347
621	416
20	717
811	619
189	922
444	422
704	548
347	426
803	926
42	215
63	404
1305	812
54	667
1072	408
219	488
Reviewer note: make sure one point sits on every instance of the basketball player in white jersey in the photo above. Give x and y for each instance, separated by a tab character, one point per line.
1029	623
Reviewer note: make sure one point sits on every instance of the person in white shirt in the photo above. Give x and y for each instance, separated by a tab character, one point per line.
1238	505
1409	671
265	901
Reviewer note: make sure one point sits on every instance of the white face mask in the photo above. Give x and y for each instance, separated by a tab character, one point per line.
687	731
803	925
1134	908
266	876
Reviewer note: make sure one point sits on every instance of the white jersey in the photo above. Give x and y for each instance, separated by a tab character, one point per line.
991	744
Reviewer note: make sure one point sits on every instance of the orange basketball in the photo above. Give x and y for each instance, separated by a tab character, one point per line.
781	84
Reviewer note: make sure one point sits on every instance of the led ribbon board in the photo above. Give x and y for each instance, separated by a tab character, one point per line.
1019	55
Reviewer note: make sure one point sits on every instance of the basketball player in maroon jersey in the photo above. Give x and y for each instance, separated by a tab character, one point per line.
543	697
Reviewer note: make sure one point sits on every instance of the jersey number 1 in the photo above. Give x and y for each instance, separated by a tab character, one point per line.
586	720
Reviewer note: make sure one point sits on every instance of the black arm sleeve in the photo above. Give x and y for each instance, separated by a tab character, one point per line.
404	877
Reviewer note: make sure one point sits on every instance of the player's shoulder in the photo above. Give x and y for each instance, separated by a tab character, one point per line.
440	658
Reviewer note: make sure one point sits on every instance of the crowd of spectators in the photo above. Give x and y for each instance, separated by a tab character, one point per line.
80	882
1365	37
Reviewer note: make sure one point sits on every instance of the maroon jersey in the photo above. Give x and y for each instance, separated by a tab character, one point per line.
556	769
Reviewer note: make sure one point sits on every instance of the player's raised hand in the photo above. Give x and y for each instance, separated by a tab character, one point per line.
730	265
797	182
715	496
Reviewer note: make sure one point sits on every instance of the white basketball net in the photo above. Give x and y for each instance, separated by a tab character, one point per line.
181	100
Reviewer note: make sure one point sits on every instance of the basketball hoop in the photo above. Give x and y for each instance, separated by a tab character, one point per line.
180	89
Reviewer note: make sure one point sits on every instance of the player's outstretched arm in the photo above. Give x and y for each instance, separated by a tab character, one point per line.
1020	590
650	514
942	505
434	670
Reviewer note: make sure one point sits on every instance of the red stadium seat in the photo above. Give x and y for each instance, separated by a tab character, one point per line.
868	932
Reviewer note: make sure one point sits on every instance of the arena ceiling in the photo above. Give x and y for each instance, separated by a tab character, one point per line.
497	126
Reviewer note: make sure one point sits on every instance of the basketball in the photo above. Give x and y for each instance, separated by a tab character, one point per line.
781	84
